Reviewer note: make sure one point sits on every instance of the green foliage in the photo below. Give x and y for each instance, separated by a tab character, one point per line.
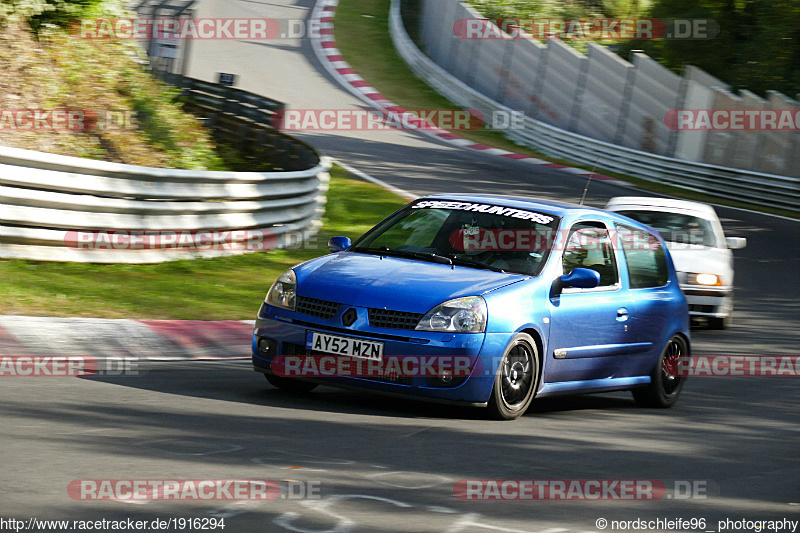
561	9
54	12
758	47
256	159
558	8
55	69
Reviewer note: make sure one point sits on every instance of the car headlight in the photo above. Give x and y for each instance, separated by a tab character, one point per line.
704	279
462	315
283	292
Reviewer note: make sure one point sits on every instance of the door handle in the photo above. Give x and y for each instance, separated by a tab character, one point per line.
622	314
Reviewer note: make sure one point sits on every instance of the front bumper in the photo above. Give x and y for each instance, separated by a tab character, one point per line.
709	301
289	331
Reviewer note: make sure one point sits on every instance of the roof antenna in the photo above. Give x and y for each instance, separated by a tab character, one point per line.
586	189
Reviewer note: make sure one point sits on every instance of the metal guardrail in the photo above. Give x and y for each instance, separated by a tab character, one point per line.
46	198
246	121
723	182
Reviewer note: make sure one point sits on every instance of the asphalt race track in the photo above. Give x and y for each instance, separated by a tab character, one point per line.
384	464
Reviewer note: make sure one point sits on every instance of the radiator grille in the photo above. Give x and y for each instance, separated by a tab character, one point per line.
385	318
317	308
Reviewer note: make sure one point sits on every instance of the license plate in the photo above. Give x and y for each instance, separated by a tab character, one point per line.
335	345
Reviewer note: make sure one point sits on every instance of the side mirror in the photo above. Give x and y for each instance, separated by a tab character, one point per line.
339	244
582	278
735	243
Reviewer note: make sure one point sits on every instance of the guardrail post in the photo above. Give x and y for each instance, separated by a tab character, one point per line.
449	40
627	95
534	110
672	143
502	82
578	102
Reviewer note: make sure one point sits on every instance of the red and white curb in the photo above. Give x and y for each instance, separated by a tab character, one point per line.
154	340
331	58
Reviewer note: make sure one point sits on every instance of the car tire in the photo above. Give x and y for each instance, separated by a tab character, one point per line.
290	384
516	379
716	322
664	388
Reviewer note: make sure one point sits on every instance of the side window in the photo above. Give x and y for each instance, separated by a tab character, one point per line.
647	262
589	246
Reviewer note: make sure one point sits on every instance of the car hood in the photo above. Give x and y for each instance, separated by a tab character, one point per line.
399	284
701	259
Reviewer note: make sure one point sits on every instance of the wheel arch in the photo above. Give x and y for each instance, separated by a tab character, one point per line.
539	340
537	337
685	337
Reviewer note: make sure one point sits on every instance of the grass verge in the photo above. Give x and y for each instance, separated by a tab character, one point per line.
126	116
225	288
362	35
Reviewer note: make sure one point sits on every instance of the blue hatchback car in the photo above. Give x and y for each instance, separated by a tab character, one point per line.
482	300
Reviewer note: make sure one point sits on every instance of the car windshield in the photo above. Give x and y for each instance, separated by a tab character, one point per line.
473	235
677	227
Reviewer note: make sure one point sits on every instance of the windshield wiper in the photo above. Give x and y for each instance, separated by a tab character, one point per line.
435	258
473	262
449	259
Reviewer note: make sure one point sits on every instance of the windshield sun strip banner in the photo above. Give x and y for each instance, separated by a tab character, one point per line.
488	209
